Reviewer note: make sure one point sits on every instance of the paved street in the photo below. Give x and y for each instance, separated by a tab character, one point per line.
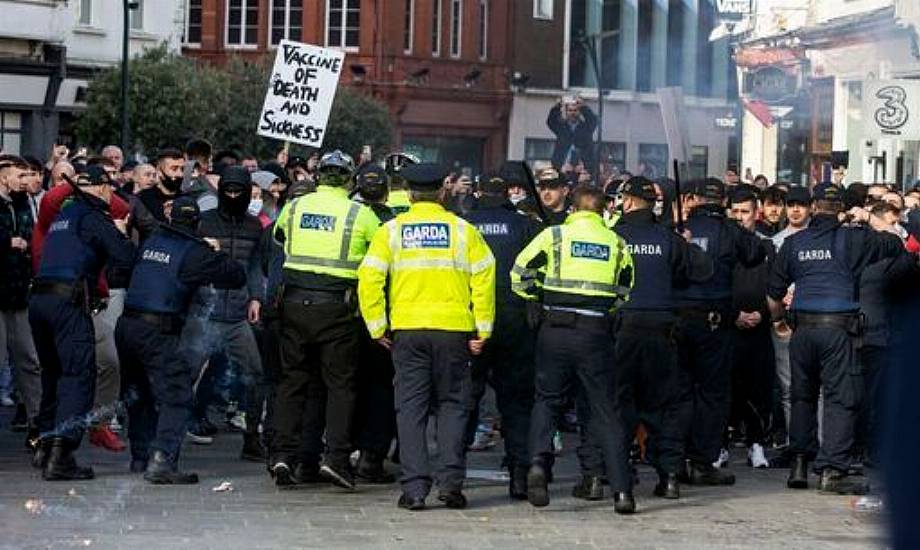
118	510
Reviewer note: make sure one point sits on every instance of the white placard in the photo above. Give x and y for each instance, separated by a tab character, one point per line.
300	93
891	109
671	101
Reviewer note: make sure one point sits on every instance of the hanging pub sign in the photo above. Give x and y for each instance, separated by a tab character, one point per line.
769	84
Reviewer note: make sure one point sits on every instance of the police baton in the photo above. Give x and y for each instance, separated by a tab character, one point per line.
680	206
532	186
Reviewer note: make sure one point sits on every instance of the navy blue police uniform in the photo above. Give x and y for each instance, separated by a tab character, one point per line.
825	262
507	361
80	242
645	326
375	415
707	331
171	265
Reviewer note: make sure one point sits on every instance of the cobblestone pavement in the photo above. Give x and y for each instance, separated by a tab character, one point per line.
118	510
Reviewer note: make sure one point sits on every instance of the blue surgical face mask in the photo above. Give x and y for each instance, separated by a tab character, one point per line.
255	207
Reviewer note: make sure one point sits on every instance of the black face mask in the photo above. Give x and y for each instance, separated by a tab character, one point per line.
234	207
171	184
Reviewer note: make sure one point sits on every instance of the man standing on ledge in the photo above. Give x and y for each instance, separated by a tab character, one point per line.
441	278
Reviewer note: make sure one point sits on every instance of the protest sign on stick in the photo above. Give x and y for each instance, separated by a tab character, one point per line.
300	93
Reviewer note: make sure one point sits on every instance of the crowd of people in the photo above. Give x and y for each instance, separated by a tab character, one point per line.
328	308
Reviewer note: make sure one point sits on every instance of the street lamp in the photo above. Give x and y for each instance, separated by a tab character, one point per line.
592	45
125	129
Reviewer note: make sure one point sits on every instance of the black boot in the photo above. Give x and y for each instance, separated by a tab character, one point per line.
798	473
453	499
707	474
40	454
589	488
370	469
163	470
253	450
537	490
624	503
837	482
517	488
61	465
668	486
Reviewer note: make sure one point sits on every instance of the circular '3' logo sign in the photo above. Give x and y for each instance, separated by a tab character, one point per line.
894	114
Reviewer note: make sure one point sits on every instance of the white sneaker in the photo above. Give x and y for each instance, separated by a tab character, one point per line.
6	400
557	443
483	441
722	460
115	425
239	421
756	457
199	439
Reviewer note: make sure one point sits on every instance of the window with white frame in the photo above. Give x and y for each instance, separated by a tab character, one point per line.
543	9
242	23
10	132
192	35
436	27
483	29
286	21
343	24
456	26
86	12
136	16
408	29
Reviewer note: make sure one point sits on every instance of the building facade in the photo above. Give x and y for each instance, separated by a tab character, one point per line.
49	49
440	65
642	45
806	70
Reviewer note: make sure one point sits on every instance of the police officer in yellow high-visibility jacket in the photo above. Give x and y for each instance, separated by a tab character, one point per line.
324	235
582	269
439	309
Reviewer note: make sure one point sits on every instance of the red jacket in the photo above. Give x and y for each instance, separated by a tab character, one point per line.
49	209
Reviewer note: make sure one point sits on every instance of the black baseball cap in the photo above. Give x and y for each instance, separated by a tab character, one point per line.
550	177
185	212
799	195
93	175
424	175
710	188
827	192
640	187
492	182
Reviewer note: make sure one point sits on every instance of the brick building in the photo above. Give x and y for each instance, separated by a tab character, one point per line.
440	65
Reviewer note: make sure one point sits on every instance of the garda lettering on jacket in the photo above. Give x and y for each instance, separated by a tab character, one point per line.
590	251
60	225
426	235
492	229
317	222
644	249
156	256
812	255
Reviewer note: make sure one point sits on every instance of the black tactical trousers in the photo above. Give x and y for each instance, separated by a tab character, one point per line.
646	383
822	360
704	382
319	348
574	347
432	378
156	387
375	417
507	364
753	376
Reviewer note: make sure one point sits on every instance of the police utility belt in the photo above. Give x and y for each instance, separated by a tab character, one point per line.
166	322
560	316
310	297
715	318
77	293
852	322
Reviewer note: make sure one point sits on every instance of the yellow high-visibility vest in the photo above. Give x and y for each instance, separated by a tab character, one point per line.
440	270
583	257
398	201
326	233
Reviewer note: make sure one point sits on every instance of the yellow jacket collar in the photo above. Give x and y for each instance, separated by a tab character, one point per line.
584	216
328	189
426	207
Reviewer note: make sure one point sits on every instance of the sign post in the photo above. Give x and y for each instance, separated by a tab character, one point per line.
300	93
